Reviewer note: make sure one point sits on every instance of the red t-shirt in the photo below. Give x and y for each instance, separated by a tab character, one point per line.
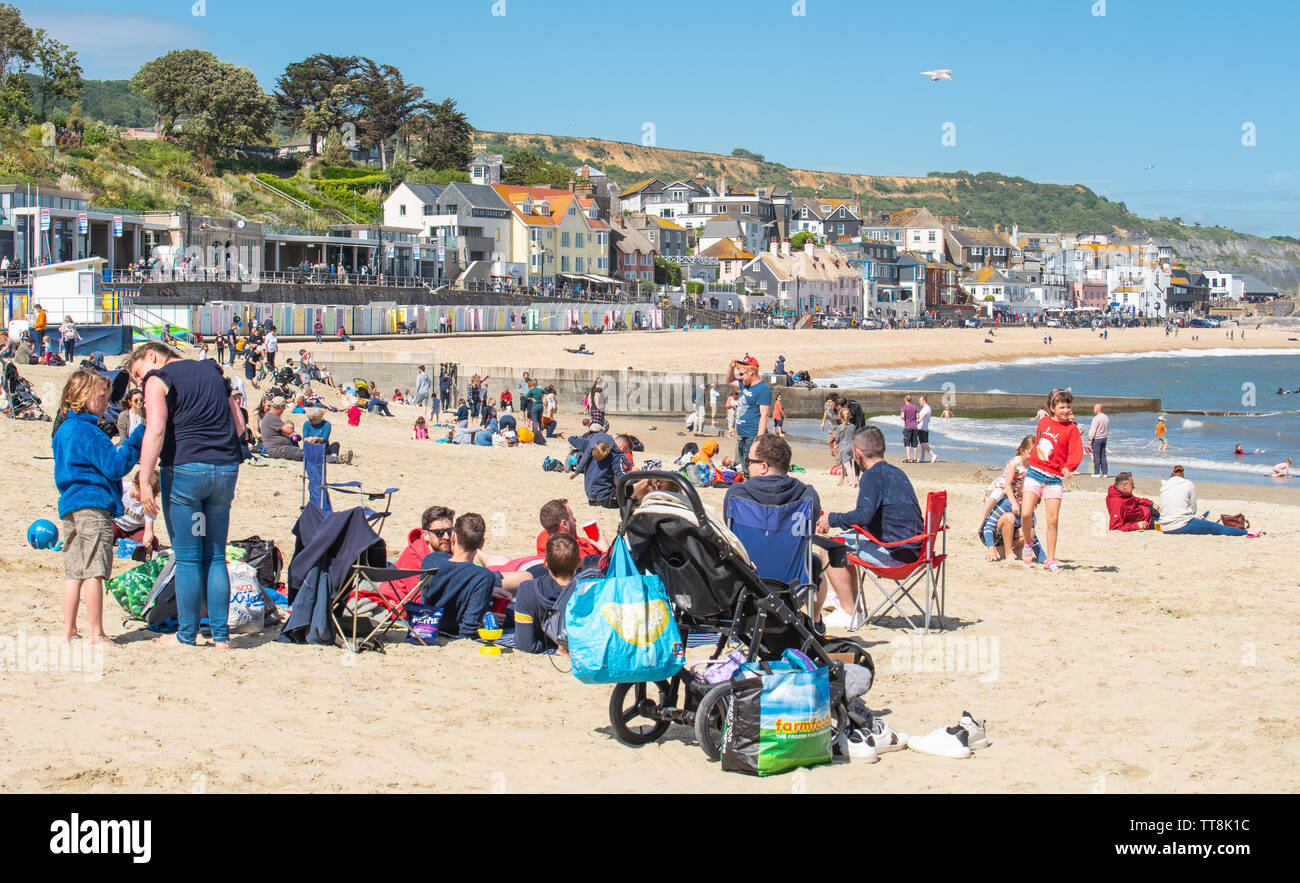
1057	446
354	416
585	546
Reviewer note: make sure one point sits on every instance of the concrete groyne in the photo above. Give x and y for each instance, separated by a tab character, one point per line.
669	393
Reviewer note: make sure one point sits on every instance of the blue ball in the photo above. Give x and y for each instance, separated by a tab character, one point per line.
42	534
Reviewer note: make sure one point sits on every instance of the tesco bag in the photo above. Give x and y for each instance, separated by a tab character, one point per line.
621	628
247	606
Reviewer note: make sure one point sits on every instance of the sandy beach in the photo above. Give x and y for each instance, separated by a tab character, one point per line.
1151	664
821	352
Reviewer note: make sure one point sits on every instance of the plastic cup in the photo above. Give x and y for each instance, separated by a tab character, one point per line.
592	530
500	605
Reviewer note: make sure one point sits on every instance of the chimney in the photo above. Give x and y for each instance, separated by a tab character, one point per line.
785	247
997	228
722	184
808	247
571	185
772	247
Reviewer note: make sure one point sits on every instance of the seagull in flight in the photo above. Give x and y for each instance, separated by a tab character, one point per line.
936	75
1149	168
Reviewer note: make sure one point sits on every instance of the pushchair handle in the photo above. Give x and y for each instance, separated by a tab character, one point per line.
687	488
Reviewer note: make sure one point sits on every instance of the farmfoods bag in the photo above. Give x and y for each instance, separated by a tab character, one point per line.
620	628
779	719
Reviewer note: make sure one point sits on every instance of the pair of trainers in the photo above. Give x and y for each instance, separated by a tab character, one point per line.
866	736
957	741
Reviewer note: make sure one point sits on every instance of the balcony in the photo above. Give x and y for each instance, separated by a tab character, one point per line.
476	244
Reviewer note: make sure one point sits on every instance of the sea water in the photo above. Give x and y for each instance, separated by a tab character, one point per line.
1243	381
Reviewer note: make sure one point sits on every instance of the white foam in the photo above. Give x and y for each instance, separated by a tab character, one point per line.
1192	424
868	378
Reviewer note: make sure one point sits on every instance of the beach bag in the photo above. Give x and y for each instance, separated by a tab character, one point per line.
525	434
550	464
247	613
779	719
1238	521
264	557
621	628
132	589
422	624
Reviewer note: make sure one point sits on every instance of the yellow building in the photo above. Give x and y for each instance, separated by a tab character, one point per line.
557	236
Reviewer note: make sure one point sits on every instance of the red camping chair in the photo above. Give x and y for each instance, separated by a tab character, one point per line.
928	570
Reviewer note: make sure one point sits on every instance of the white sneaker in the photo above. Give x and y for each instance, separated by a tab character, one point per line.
886	737
942	742
934	458
976	737
837	619
856	744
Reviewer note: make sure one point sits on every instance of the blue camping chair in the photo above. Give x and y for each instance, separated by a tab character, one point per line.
778	540
316	488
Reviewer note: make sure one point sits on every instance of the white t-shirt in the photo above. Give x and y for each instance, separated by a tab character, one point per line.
923	418
271	342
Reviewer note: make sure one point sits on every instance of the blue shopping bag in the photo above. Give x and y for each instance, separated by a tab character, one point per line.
621	628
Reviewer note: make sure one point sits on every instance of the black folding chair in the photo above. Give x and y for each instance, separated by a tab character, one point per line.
383	612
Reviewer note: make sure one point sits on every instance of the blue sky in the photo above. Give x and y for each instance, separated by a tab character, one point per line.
1046	90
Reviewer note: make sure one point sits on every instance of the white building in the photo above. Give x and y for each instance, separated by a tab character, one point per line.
1225	286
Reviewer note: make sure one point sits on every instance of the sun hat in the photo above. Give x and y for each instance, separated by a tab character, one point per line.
277	402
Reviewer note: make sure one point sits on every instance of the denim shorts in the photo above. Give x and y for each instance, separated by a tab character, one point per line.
1043	485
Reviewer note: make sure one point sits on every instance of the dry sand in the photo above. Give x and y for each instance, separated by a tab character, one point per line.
1152	663
820	352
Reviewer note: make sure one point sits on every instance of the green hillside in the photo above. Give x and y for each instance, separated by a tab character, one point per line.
109	101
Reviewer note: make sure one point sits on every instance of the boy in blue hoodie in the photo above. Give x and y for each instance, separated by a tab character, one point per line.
88	471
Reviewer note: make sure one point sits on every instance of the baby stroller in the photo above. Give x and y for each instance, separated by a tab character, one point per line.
286	377
713	588
20	402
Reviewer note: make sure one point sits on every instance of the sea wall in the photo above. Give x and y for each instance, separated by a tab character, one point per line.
668	393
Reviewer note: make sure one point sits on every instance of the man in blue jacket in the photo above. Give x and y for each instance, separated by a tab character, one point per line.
887	506
462	588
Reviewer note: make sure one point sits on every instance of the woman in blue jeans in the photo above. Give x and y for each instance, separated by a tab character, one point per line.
192	430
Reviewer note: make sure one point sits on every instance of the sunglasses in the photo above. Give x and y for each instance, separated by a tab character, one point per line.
752	461
439	531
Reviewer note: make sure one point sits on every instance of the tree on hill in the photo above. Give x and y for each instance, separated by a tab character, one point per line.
747	154
444	135
529	168
387	104
17	51
223	102
60	70
315	94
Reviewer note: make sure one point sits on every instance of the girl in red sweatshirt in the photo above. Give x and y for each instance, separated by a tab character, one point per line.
1057	452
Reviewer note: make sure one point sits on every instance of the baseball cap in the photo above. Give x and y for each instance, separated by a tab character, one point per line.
596	427
750	361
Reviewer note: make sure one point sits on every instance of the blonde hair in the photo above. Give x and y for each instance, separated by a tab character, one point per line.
160	349
80	388
600	451
314	414
1026	445
153	481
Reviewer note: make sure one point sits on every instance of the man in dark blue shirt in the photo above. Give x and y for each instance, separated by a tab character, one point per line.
463	589
887	506
538	597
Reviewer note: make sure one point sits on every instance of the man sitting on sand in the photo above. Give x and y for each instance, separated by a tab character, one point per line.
538	597
557	518
1128	512
462	588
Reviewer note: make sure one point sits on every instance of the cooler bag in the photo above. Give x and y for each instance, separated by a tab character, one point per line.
621	628
779	719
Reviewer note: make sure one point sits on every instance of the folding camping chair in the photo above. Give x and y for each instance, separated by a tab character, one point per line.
384	611
929	570
779	542
316	488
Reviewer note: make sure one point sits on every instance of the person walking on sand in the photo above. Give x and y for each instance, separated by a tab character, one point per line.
713	404
754	405
1098	432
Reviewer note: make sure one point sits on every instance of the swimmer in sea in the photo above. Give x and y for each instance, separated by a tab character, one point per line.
1241	452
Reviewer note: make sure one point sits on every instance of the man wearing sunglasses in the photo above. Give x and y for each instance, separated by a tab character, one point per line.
433	535
754	407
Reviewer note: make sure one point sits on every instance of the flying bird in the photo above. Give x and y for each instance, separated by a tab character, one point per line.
943	74
1149	168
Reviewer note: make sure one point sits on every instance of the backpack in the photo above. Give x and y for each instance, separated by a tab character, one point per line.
859	419
553	623
550	464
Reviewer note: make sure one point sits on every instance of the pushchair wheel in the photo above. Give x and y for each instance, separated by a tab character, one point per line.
629	703
711	718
